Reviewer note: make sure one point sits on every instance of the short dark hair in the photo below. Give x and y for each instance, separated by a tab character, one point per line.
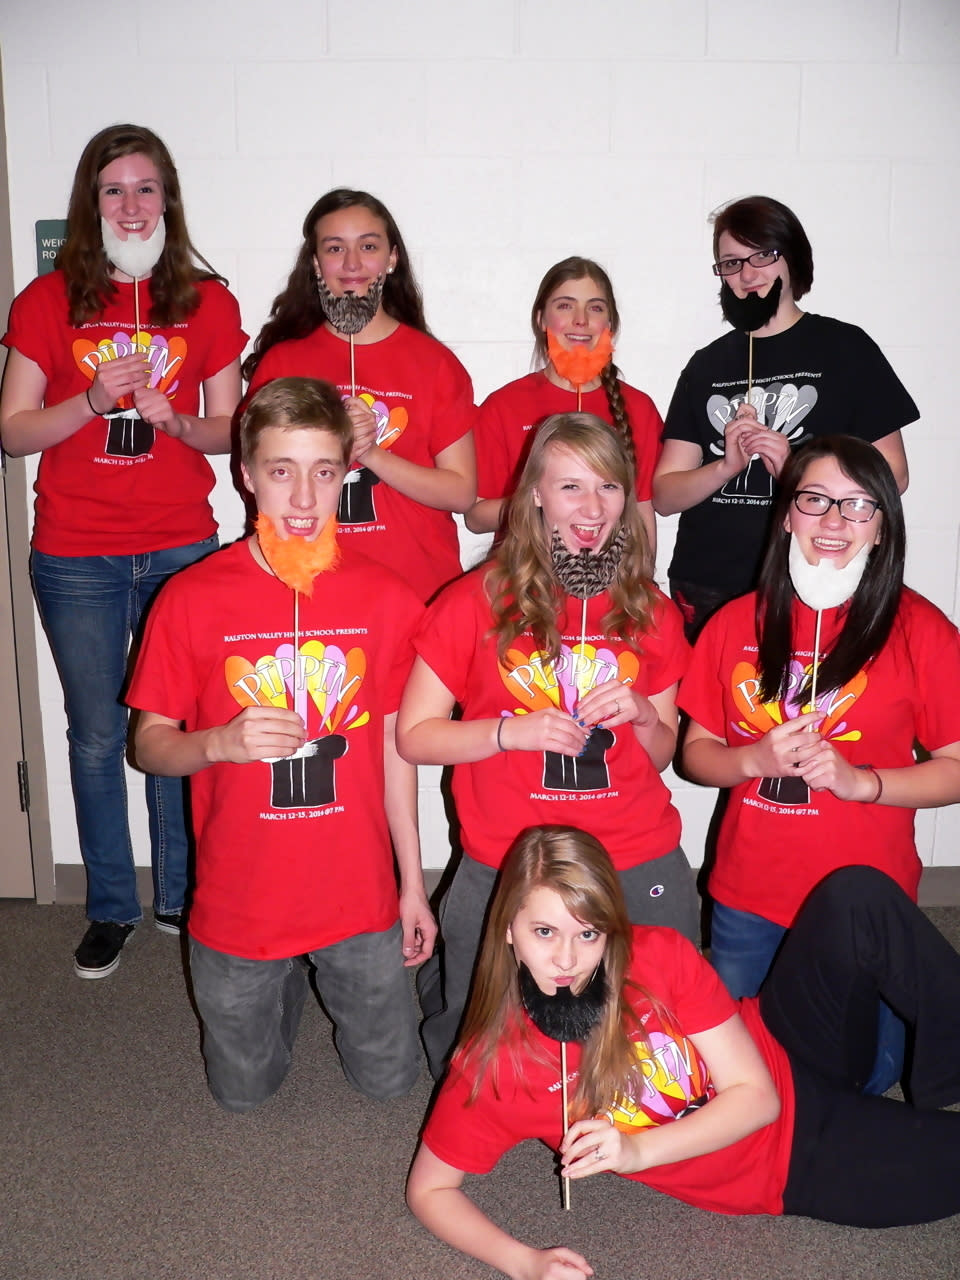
765	223
293	403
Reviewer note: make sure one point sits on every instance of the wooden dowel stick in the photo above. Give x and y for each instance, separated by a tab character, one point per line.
749	366
816	664
566	1122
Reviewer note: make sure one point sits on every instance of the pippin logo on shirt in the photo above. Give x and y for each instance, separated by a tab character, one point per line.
675	1082
357	505
537	683
128	436
759	716
322	685
781	406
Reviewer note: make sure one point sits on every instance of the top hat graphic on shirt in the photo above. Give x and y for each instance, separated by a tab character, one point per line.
788	790
585	772
356	497
306	779
128	435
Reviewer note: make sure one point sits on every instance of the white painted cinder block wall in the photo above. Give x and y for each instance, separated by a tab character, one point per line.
508	134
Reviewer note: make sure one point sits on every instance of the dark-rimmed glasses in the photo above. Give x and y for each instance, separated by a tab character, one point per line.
731	266
856	510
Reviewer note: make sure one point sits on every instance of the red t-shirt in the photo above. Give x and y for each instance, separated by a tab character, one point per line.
423	399
292	854
613	791
117	486
508	418
746	1177
778	839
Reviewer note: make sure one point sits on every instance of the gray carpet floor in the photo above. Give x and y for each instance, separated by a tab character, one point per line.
116	1164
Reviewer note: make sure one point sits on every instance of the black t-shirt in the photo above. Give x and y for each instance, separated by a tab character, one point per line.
819	377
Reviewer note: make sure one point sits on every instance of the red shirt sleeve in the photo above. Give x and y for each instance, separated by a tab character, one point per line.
494	465
453	412
469	1136
669	652
701	693
452	632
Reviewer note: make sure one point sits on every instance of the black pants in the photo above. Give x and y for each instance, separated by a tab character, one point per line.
862	1161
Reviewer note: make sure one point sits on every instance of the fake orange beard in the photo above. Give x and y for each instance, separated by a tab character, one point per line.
582	364
295	561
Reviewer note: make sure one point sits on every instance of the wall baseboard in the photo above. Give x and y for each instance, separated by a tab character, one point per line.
939	886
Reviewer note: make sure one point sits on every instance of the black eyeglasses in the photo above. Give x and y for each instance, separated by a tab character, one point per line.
731	266
856	510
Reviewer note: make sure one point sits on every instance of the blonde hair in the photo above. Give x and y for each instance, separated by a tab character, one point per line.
576	866
521	584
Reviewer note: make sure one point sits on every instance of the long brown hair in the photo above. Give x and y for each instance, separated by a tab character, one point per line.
871	612
576	866
297	310
576	268
523	590
173	291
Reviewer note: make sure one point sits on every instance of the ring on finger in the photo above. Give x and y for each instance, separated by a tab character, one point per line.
597	1154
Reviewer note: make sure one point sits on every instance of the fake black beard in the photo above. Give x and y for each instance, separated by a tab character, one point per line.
752	312
565	1016
583	574
351	312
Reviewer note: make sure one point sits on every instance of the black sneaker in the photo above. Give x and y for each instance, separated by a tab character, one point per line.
99	952
169	921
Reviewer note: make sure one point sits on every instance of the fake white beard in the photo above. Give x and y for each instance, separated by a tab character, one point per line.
824	585
135	257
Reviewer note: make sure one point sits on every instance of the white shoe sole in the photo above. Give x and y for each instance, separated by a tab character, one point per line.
104	972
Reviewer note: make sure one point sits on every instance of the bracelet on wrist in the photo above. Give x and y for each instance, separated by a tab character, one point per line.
500	746
879	791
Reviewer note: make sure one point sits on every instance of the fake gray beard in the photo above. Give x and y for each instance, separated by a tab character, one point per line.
752	312
584	574
134	256
823	585
350	312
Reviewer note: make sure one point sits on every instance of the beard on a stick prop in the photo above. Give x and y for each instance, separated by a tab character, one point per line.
295	561
824	586
580	364
750	314
350	312
565	1017
135	257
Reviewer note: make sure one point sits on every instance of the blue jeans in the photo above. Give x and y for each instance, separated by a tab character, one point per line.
742	947
90	607
251	1013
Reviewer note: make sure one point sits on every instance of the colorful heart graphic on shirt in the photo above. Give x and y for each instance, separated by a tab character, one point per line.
759	717
324	678
333	679
165	358
391	423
